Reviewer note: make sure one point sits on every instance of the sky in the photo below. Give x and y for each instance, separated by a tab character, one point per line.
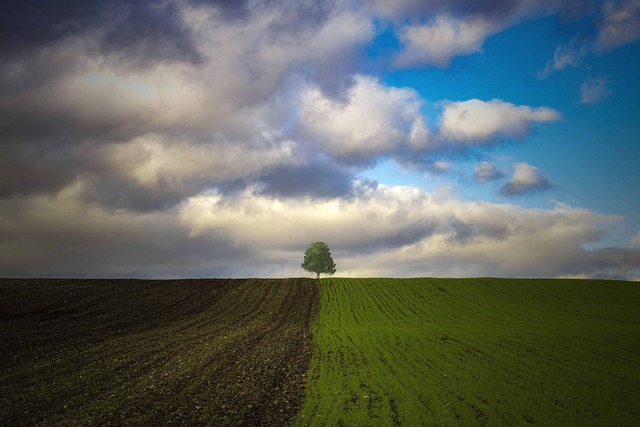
217	138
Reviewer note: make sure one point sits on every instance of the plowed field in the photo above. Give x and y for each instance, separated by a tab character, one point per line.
190	352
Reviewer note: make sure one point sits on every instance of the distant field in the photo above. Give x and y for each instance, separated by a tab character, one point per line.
192	352
412	352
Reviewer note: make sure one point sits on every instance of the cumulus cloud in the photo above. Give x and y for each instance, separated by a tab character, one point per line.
385	230
372	121
526	179
148	117
435	43
499	10
432	33
415	233
185	94
486	171
474	121
594	90
290	224
66	236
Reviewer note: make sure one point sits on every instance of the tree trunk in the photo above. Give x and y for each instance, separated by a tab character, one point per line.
318	276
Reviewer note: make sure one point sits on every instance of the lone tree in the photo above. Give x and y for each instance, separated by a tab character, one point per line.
317	259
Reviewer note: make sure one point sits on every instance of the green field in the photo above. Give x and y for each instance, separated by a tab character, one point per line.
384	352
415	352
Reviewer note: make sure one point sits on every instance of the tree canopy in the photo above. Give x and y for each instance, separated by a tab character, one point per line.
317	259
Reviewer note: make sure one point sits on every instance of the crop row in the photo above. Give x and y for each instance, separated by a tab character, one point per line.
200	352
475	351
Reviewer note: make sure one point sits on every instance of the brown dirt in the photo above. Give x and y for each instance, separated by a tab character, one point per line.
143	352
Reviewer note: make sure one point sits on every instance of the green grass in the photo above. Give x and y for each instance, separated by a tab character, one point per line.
475	352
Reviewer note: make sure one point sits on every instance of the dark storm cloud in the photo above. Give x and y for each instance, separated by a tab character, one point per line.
146	32
495	9
148	248
118	192
611	263
32	23
320	179
230	9
78	76
33	171
46	144
142	31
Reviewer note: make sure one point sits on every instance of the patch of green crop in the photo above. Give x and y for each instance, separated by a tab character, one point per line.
393	352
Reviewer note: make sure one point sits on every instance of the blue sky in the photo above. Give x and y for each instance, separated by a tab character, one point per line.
208	138
590	155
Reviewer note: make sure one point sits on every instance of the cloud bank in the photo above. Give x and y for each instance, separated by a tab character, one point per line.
398	231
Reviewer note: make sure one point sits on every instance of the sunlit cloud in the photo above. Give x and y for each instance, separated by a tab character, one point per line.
372	121
437	42
526	179
476	122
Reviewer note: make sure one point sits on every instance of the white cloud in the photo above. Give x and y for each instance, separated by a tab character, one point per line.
250	61
438	41
475	122
403	231
379	217
152	159
594	90
525	179
432	33
174	123
619	25
373	120
382	231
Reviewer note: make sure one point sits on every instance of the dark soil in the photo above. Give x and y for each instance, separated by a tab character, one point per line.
154	352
